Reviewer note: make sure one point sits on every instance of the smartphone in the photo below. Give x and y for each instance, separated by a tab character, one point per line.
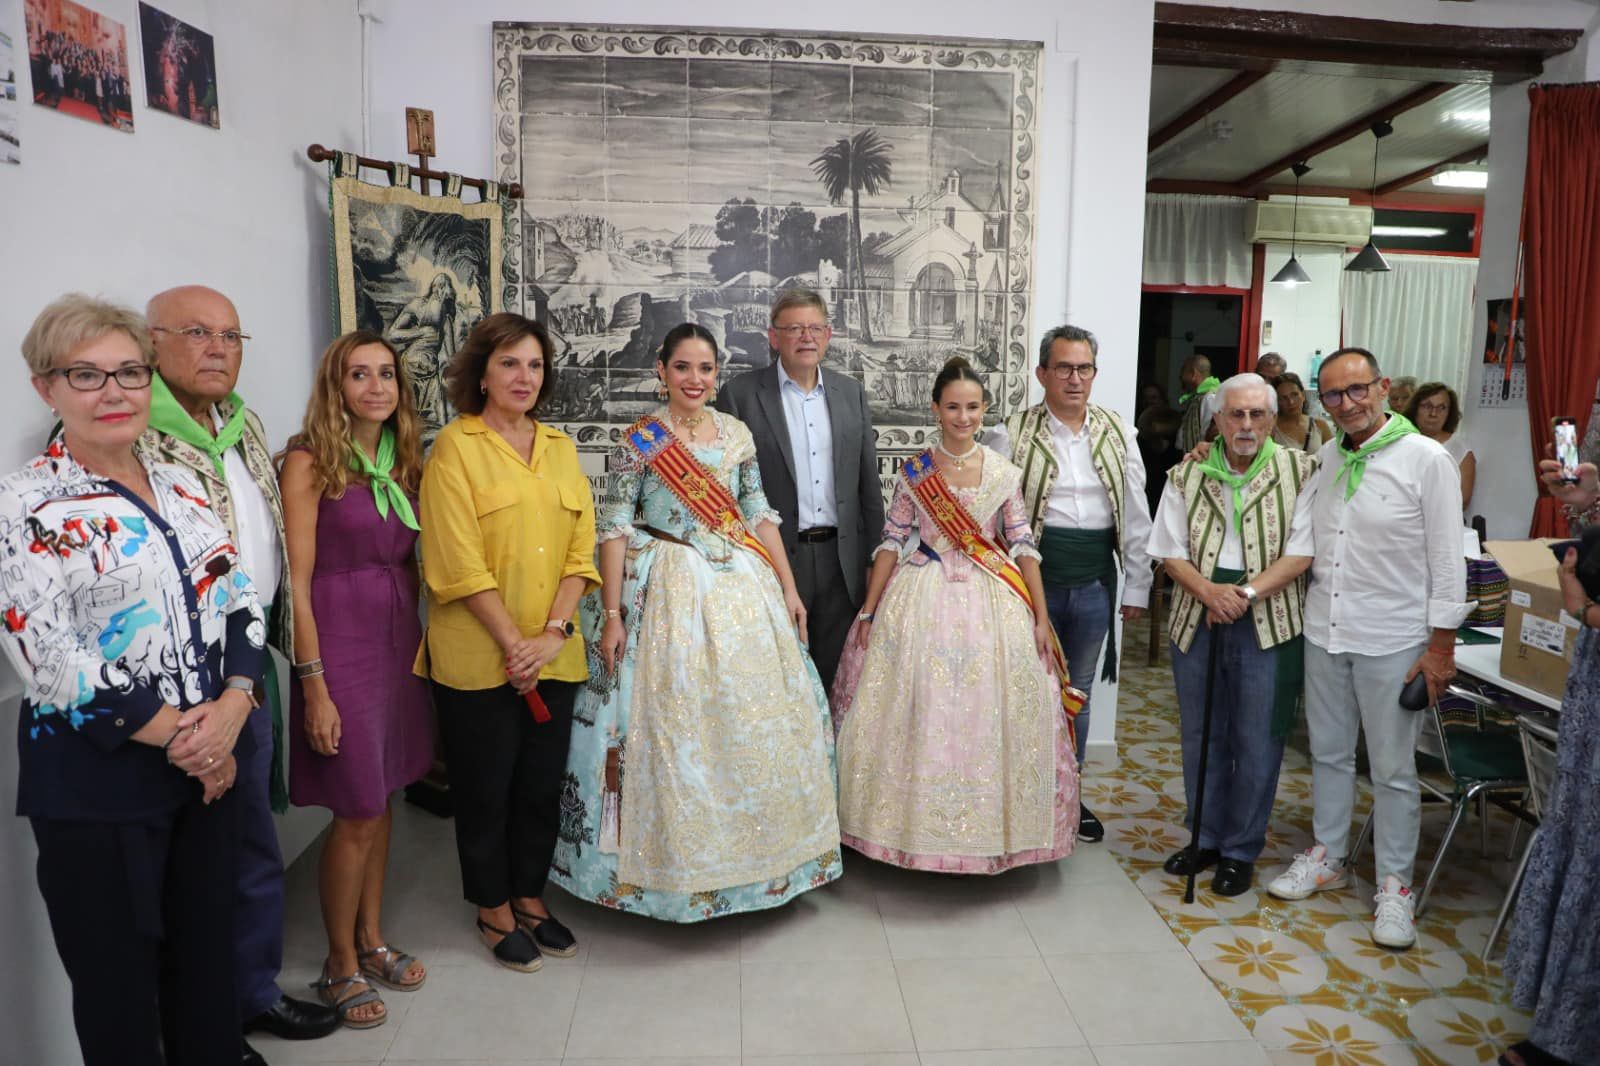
1565	431
1560	548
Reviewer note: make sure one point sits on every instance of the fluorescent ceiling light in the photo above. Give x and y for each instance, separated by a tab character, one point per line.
1463	179
1475	117
1409	231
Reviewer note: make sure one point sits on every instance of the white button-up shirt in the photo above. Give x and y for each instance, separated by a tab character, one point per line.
258	530
1078	501
811	441
1170	537
1388	567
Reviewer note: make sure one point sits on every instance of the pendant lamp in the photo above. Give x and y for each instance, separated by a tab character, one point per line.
1369	260
1293	273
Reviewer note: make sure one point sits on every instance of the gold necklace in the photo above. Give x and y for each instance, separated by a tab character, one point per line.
691	423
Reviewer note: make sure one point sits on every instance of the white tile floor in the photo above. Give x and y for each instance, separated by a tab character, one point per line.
1067	965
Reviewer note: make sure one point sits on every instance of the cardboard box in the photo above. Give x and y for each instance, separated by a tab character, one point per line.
1539	635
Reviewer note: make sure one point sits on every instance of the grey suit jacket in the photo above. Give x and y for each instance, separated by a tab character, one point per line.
753	398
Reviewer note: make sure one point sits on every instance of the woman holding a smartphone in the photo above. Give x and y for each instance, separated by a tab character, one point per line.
1551	960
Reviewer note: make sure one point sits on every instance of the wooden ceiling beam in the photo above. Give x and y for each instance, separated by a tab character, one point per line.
1471	155
1193	33
1348	132
1225	92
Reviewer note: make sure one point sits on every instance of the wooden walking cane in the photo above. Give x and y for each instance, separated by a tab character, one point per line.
1215	638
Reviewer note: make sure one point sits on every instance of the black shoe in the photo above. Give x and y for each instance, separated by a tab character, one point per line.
1089	827
553	938
252	1057
295	1019
1180	863
1233	877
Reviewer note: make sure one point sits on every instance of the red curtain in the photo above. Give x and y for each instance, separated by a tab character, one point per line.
1561	257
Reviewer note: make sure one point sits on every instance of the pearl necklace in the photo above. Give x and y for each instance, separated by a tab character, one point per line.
958	461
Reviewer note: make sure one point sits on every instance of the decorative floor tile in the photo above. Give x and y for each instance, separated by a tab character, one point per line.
1305	976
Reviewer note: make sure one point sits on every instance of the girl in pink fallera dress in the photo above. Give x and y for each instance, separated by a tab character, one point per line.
954	749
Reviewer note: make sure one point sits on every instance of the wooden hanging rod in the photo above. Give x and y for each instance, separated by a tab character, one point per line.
318	154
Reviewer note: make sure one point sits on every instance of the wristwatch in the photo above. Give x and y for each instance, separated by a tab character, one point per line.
245	685
865	616
563	624
1250	594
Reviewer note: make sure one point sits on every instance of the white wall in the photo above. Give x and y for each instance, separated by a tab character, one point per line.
1305	318
1091	142
122	215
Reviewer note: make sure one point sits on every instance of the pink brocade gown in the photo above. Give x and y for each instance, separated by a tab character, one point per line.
954	751
364	599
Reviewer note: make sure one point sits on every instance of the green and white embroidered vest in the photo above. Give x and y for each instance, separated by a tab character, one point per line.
1265	520
1034	451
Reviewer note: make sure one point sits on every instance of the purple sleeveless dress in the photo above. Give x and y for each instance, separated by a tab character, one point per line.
364	598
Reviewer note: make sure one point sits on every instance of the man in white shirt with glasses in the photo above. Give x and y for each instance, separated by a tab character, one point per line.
1387	593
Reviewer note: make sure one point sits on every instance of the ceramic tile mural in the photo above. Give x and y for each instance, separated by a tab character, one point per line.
693	174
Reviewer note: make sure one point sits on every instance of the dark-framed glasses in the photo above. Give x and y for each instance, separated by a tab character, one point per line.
795	332
1332	398
1067	371
93	379
198	335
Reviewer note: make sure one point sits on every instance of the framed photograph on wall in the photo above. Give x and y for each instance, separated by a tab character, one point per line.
79	62
180	68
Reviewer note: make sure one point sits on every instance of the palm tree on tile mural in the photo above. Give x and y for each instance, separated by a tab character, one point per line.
850	165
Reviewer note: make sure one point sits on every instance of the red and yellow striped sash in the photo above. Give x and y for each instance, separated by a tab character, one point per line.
697	488
933	494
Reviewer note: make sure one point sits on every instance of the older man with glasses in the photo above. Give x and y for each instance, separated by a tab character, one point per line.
199	422
1083	484
1235	531
1387	593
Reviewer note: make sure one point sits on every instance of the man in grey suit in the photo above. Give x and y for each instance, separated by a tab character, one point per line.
819	464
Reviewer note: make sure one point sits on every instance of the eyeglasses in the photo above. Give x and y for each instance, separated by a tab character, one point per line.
198	335
1332	398
796	332
1434	408
93	379
1067	371
1254	414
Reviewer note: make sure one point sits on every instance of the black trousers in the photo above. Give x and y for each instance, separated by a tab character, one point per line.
819	579
505	785
142	915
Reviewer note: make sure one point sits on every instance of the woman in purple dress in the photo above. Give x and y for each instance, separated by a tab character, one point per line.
361	726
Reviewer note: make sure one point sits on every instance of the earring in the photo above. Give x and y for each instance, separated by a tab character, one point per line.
482	388
711	395
661	391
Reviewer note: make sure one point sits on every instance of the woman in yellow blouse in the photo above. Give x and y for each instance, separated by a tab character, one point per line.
507	551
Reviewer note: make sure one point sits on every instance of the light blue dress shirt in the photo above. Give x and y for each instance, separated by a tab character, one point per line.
811	440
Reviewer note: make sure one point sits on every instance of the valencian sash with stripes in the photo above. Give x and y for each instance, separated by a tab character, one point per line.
697	488
933	494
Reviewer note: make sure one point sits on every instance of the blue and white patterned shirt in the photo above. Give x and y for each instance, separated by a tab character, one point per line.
112	609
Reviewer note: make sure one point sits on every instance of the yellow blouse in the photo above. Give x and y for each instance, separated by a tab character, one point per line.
492	521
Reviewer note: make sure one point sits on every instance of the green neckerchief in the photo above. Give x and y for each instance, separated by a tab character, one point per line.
1216	466
168	416
1208	385
1355	462
385	492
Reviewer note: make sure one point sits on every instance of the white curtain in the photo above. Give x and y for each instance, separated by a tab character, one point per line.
1195	240
1417	318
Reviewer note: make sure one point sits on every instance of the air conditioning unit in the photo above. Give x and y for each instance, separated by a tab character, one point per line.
1335	224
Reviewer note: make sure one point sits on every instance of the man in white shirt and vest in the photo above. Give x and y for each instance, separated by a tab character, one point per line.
1083	485
199	422
1235	532
1195	377
1387	593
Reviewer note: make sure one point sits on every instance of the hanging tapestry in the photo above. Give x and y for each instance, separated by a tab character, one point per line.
419	270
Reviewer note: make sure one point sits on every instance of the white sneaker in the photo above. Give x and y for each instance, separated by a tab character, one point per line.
1392	923
1310	872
